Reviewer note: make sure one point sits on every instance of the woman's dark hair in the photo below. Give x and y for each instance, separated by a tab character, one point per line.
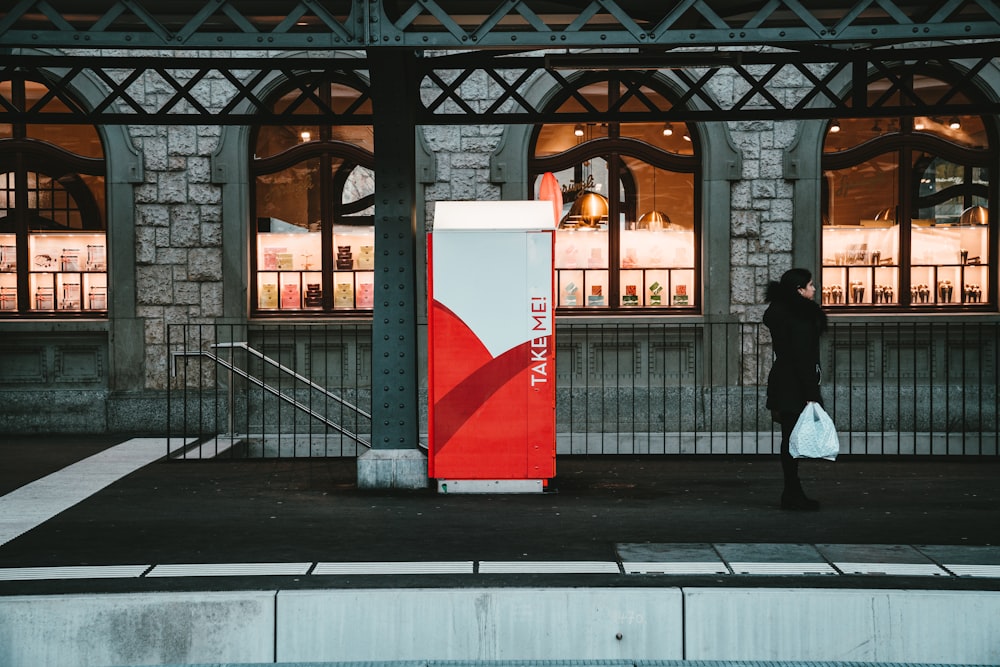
795	279
791	281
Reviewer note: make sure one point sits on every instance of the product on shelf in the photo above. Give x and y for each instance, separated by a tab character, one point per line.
571	290
366	295
596	259
366	257
945	291
345	258
857	292
314	295
8	258
98	298
96	258
69	260
680	295
343	296
596	297
631	260
271	258
45	298
70	296
269	295
290	296
655	297
286	261
630	298
8	298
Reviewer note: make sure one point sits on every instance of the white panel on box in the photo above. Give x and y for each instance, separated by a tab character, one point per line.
483	215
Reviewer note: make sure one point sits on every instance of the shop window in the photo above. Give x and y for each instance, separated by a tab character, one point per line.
629	230
53	237
314	196
906	209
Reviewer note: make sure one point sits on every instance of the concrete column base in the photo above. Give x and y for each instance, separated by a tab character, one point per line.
392	469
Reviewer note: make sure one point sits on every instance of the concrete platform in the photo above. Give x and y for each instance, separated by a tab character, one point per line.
144	560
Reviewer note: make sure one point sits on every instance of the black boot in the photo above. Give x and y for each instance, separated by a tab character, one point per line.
796	500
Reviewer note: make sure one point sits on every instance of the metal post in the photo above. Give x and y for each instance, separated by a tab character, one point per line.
394	461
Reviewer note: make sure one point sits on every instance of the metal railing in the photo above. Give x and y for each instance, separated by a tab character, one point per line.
268	391
660	387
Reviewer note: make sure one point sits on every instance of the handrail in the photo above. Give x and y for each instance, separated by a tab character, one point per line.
301	378
275	392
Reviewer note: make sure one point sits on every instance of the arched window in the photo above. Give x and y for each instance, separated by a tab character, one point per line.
643	176
906	202
313	202
53	236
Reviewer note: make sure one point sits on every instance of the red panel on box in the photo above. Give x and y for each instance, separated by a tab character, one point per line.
491	372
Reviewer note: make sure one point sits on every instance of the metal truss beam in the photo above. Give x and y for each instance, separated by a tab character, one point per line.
473	24
228	91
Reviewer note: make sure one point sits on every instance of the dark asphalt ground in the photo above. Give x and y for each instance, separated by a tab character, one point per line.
258	511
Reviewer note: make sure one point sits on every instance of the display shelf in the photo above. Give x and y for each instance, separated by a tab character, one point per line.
290	270
303	290
68	291
949	265
671	286
67	274
8	253
945	284
860	284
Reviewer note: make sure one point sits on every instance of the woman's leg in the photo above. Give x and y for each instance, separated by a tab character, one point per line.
792	497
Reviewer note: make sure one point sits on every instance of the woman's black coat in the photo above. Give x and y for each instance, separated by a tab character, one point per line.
795	323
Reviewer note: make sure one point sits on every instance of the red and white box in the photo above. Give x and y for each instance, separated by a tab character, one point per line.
491	346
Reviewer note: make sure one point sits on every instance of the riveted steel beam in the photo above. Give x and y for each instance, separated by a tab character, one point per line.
189	88
473	24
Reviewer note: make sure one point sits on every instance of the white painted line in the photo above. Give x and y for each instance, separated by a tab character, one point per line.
974	570
31	505
229	569
389	567
894	569
675	568
548	567
72	572
783	568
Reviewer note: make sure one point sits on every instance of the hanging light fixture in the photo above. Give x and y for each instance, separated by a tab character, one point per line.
955	123
588	209
578	130
834	125
919	124
975	215
655	219
305	135
668	129
887	214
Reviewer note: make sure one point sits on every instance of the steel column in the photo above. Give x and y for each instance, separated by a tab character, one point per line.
395	422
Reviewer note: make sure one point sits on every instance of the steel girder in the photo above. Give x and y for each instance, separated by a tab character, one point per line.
469	24
189	88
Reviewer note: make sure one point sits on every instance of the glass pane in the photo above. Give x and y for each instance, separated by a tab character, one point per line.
289	200
358	192
52	206
863	194
272	140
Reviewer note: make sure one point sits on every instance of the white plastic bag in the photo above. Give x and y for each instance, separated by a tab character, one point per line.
814	435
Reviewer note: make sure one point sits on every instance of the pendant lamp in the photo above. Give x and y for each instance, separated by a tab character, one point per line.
975	215
588	209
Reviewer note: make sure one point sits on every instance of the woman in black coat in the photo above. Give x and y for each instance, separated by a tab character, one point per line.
795	321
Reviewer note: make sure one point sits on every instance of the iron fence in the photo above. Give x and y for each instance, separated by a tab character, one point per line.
656	387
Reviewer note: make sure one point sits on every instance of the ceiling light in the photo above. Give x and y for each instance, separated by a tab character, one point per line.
668	129
578	130
305	135
955	123
919	124
834	125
